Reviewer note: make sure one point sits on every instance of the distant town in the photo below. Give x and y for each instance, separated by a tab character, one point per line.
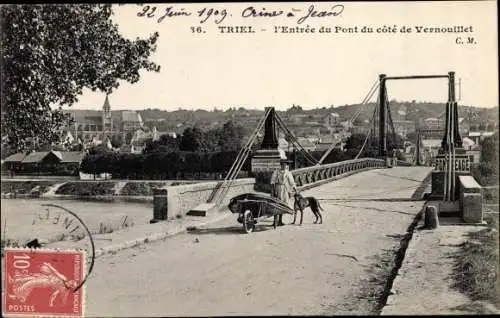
128	131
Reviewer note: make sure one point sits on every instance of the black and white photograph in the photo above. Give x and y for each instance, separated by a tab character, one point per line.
208	159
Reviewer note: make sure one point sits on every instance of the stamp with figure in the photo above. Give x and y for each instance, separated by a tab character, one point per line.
43	282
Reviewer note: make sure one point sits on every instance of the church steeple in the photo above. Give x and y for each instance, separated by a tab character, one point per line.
107	124
106	107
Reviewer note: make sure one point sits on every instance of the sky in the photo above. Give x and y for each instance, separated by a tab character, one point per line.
219	70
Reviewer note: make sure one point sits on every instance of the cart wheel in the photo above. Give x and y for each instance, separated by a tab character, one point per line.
248	222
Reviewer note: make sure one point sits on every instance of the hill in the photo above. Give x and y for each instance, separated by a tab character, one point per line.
414	111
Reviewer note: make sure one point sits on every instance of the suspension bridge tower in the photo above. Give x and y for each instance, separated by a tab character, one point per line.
452	160
268	157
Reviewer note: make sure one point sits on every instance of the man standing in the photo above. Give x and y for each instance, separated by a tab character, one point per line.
283	187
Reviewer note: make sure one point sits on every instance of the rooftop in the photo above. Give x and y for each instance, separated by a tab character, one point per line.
37	156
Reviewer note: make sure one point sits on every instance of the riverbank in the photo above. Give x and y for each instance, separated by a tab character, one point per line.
82	189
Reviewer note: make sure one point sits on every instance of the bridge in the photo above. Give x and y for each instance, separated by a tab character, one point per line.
344	266
450	165
310	269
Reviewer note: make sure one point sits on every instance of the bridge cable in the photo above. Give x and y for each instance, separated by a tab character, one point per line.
220	191
367	136
294	140
238	163
365	101
390	117
368	96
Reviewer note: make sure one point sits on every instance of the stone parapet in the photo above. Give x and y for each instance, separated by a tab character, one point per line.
175	201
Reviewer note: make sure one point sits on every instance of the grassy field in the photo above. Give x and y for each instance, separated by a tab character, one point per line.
477	271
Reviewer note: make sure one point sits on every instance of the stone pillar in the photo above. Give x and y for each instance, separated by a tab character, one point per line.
388	162
160	205
472	207
471	200
431	219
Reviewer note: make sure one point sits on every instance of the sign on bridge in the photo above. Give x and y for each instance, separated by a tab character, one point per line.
461	162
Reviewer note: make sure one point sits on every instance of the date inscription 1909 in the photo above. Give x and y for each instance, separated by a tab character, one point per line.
218	15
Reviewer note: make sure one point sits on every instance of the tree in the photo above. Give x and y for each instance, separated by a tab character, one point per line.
487	173
166	143
295	109
50	53
75	147
191	139
411	136
355	142
99	150
230	136
212	140
489	149
116	141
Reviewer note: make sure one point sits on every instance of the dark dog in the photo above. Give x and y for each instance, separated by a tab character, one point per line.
302	203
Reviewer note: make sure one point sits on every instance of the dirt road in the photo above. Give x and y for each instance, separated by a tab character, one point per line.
297	270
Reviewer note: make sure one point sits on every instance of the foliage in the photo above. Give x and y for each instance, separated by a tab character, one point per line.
476	269
225	138
165	143
49	54
141	188
355	142
489	149
160	165
86	188
295	109
25	186
191	139
99	149
116	141
230	136
487	172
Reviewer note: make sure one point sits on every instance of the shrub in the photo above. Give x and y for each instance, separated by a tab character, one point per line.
141	188
89	188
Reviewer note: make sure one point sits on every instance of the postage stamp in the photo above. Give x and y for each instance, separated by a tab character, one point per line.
43	282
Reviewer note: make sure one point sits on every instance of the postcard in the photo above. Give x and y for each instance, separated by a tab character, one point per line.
258	158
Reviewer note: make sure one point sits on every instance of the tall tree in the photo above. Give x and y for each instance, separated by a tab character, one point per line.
191	139
50	53
230	136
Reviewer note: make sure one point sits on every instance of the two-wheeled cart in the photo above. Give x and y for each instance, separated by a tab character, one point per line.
252	207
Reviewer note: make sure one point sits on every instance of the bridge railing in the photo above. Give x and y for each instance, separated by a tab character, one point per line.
310	175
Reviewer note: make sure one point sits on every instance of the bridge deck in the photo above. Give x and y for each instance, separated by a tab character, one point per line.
309	269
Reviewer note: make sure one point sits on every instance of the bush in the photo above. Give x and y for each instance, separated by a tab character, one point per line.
159	165
476	269
23	187
141	188
89	188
